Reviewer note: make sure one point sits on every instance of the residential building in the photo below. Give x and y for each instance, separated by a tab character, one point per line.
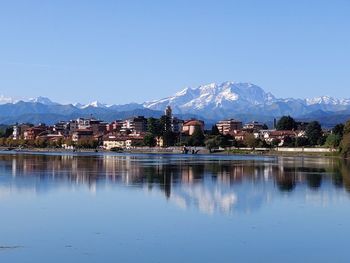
228	126
135	125
190	126
82	134
32	132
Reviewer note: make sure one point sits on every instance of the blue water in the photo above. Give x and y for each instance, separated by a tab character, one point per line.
173	208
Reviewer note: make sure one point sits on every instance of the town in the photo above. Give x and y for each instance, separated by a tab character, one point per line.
168	131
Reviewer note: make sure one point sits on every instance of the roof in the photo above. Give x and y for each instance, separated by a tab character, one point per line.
193	123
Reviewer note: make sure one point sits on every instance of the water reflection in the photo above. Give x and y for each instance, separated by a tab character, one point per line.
210	184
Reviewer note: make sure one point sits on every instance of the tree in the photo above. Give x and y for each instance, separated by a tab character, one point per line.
286	123
211	144
288	141
265	127
250	141
346	128
154	126
169	138
149	140
333	140
197	137
345	143
314	132
338	129
214	130
301	142
345	146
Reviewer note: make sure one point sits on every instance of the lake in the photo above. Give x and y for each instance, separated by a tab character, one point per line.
173	208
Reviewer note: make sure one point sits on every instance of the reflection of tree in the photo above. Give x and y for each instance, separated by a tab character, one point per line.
286	182
164	173
344	168
314	180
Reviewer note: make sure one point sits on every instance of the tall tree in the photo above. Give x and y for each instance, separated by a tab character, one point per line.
149	140
314	132
286	123
154	126
197	137
345	143
214	130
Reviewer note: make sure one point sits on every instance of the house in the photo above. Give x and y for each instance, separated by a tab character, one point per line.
254	126
114	126
134	125
111	141
32	132
82	134
228	126
190	126
18	131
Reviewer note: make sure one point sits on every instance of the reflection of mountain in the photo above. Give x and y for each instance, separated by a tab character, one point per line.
210	184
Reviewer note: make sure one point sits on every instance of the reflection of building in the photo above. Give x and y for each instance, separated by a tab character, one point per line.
210	186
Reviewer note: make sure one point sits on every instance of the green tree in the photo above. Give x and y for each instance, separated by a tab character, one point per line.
211	144
345	146
346	128
149	140
345	143
214	130
154	126
169	138
301	142
197	137
314	132
338	129
286	123
250	141
333	140
288	141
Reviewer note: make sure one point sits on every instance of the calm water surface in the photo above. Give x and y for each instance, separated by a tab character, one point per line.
173	208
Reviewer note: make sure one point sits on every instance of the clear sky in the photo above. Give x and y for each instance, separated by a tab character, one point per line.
133	51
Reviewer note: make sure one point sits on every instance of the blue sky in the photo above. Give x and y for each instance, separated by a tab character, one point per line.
124	51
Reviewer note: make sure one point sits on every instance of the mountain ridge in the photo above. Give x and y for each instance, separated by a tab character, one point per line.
210	102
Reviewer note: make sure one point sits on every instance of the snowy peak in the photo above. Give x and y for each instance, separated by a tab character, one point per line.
5	100
94	104
42	100
327	100
214	95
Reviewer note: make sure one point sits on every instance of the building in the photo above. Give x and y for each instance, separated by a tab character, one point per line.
114	126
82	134
190	126
254	126
228	126
134	125
33	132
124	142
18	131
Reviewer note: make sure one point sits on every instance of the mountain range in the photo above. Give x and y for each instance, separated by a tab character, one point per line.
210	102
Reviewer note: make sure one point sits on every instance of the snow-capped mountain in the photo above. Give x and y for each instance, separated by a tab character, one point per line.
42	100
211	102
230	98
94	104
5	100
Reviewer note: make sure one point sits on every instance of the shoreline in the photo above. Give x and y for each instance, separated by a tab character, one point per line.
268	153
